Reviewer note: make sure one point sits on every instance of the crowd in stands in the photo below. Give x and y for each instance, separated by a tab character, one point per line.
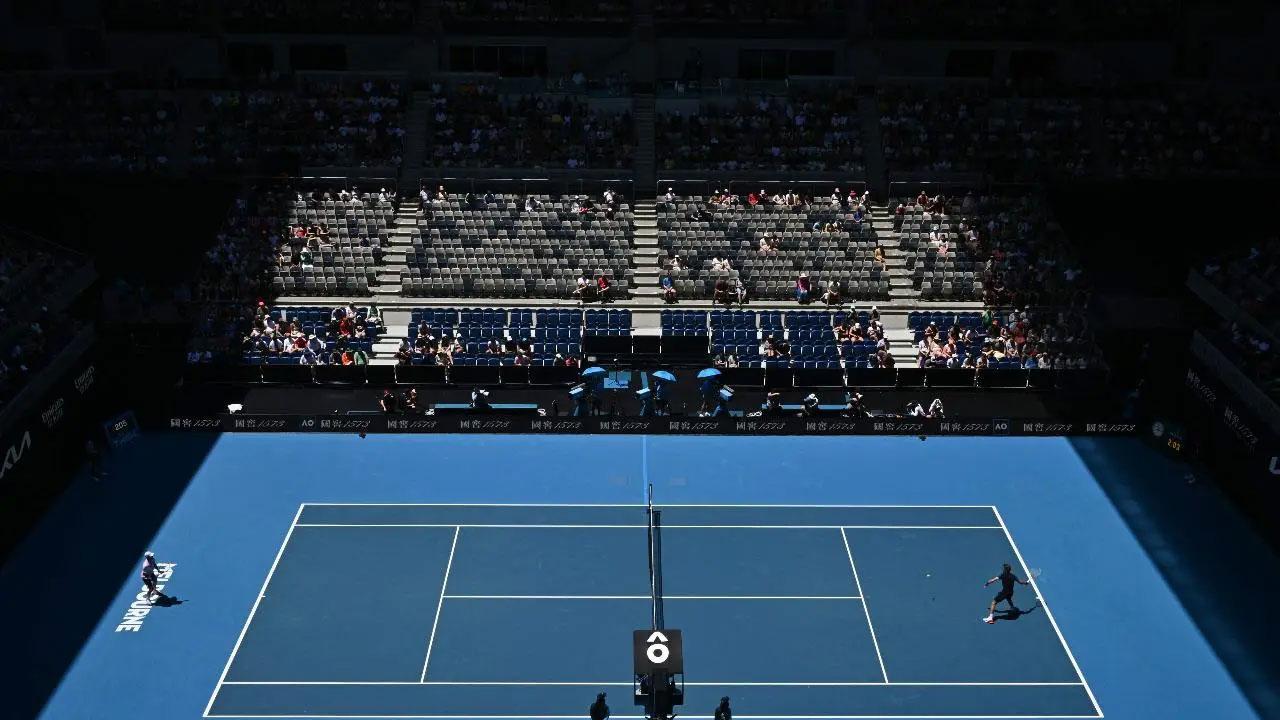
151	15
493	337
506	245
803	131
537	11
769	245
743	11
1027	339
1013	133
236	263
1018	253
472	125
263	242
308	336
1012	20
1192	135
1252	279
73	123
30	333
301	16
348	122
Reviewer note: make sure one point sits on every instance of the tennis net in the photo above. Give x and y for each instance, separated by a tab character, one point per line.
655	561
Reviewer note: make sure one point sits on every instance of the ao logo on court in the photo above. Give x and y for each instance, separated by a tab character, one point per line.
654	650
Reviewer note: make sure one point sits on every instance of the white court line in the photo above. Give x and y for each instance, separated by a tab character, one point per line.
512	716
443	587
537	683
253	610
632	505
690	717
644	466
866	610
664	526
650	597
1049	613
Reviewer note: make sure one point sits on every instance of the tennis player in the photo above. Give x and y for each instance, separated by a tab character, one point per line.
1007	580
150	573
599	709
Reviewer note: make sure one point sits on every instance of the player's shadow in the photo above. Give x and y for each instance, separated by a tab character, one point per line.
1015	613
167	601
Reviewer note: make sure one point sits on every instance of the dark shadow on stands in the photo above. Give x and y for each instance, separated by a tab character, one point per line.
91	537
1196	537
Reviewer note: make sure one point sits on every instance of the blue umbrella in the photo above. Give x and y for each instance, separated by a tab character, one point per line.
708	373
664	375
593	371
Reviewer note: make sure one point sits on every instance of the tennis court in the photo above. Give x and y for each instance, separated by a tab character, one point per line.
502	577
534	605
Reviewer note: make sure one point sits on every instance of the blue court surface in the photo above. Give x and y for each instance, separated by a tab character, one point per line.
501	577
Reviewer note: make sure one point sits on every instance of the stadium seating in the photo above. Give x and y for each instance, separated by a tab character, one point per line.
807	130
698	232
937	275
351	122
336	16
500	250
474	125
32	332
546	333
536	11
801	339
347	263
1018	257
306	322
79	123
1192	134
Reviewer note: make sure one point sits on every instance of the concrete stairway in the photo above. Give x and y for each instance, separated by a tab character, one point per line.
395	325
646	151
415	142
395	254
900	288
645	255
872	148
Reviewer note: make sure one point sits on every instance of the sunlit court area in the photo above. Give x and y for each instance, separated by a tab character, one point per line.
639	359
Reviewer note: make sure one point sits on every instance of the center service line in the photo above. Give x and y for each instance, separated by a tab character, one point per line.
443	587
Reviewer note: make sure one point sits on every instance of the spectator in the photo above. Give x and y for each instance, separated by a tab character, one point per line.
602	287
721	294
803	288
832	295
389	401
667	287
584	289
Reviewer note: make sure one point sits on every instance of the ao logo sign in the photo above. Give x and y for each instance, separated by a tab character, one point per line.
657	650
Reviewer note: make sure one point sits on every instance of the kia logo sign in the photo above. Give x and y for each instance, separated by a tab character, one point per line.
14	454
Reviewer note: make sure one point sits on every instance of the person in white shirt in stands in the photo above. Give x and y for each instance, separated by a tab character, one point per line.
531	204
835	198
608	196
424	199
670	197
